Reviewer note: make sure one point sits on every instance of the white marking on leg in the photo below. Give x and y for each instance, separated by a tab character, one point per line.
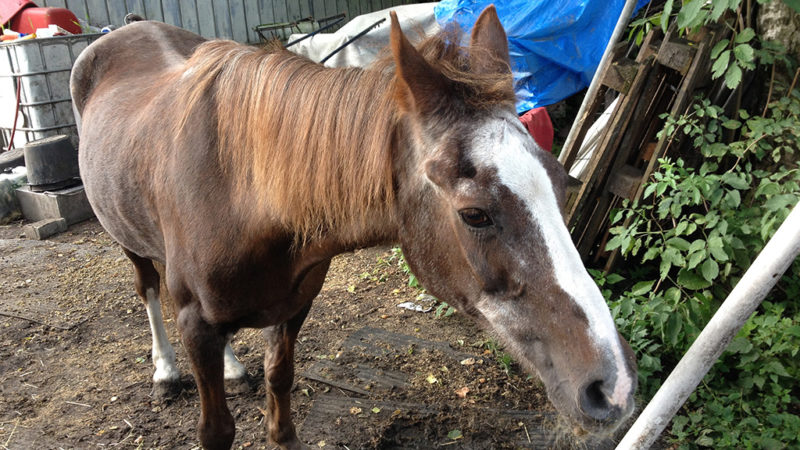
163	353
234	370
505	145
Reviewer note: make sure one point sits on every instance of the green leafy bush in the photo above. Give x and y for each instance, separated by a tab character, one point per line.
696	231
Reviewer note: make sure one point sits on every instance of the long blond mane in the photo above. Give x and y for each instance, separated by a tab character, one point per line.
310	146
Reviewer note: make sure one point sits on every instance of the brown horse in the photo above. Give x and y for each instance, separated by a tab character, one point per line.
246	170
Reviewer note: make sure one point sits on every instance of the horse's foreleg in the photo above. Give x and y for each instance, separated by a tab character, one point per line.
279	374
166	379
206	347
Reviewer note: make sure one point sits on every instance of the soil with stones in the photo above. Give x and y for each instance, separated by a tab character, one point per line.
75	364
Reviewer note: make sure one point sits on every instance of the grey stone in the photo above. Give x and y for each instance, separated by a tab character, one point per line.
44	228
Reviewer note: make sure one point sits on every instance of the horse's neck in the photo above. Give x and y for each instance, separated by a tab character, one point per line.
333	180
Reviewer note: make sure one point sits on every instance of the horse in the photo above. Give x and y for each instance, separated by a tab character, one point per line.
244	170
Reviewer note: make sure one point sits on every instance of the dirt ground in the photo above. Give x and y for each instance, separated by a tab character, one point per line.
75	364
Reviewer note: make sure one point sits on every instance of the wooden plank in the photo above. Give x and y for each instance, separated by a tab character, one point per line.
189	19
134	6
620	75
281	11
205	19
682	100
56	3
78	7
625	181
265	10
98	13
172	12
649	45
237	20
252	18
293	12
604	154
116	12
610	153
305	8
697	70
331	8
586	123
152	10
676	55
222	20
318	9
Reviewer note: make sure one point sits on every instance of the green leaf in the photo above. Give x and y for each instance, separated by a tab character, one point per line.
665	15
733	76
735	181
740	345
777	368
733	199
679	243
794	4
780	202
710	269
697	244
615	242
745	36
614	278
732	124
642	287
690	13
744	53
672	328
721	64
695	258
719	8
691	280
721	45
455	434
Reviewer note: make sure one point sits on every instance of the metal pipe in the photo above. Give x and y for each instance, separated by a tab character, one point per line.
766	270
318	30
350	41
622	22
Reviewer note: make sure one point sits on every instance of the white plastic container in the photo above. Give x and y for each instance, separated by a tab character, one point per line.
42	67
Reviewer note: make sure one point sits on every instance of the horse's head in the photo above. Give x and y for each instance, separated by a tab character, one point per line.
482	227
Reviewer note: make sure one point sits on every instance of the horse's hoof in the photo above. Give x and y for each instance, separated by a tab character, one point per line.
166	390
294	444
236	386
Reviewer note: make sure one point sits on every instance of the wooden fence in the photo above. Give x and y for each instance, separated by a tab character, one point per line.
225	19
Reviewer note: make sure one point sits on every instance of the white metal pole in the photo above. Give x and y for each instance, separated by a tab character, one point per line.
759	279
622	22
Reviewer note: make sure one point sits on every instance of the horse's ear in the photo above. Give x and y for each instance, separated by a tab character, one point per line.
488	45
420	86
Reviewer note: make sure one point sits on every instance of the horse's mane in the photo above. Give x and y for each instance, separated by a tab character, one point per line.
313	145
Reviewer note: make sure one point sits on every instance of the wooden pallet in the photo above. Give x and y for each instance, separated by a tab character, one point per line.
662	78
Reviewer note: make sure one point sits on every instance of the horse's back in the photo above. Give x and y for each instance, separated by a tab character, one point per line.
137	51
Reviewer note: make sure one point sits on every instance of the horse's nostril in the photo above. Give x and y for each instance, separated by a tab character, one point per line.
594	402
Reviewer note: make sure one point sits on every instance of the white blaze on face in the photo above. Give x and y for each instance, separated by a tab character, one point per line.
503	143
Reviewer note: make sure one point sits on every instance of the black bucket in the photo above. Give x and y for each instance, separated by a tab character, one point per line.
52	164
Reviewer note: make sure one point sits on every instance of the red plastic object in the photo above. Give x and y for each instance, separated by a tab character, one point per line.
10	8
538	123
29	19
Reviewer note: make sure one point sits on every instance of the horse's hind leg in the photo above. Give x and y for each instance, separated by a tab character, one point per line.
279	374
235	373
166	379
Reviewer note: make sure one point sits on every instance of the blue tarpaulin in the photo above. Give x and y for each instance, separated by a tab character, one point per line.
555	45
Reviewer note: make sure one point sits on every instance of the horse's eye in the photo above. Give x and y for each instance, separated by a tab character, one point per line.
475	218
